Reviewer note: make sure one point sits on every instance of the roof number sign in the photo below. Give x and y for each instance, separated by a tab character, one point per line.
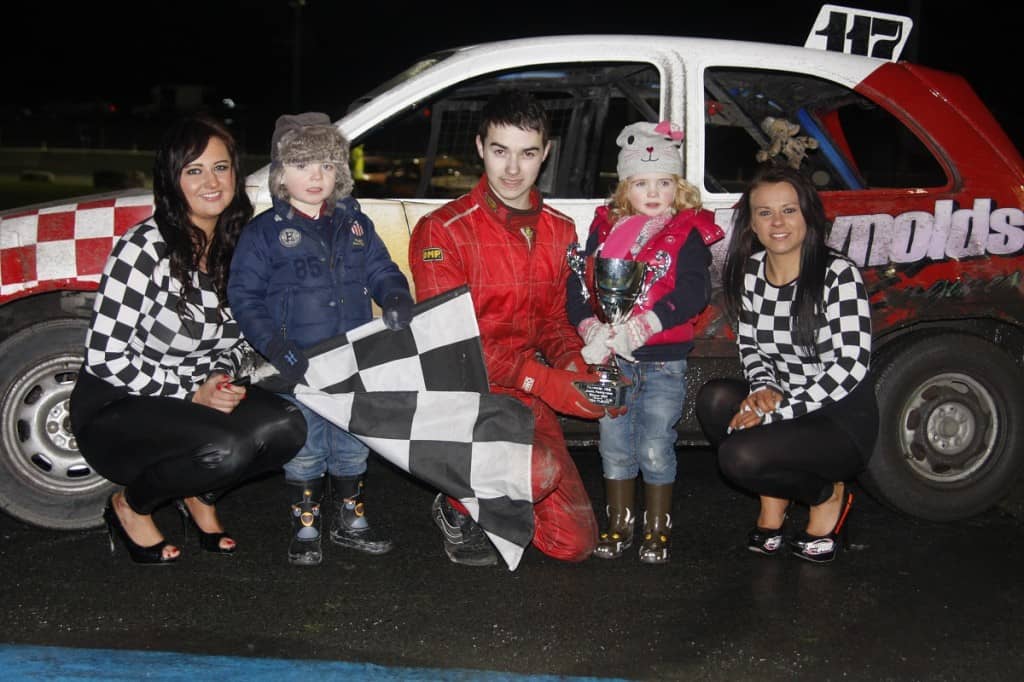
861	32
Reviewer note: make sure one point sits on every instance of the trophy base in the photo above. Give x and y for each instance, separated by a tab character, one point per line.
609	390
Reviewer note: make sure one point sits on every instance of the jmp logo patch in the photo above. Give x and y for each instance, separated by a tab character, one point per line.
289	237
432	254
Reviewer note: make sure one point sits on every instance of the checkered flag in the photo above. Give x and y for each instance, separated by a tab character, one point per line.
419	398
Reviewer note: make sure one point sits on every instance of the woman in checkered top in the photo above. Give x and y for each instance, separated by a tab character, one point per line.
154	408
804	421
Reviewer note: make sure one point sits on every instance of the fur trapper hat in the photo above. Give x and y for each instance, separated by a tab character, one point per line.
308	138
649	148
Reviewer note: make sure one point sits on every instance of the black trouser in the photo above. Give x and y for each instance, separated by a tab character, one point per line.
797	459
166	448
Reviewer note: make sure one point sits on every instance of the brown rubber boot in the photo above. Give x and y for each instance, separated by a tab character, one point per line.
657	523
621	510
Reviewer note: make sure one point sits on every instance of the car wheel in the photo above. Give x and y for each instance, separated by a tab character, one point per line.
951	431
44	480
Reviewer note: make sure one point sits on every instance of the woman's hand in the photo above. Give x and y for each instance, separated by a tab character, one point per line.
763	400
219	393
754	407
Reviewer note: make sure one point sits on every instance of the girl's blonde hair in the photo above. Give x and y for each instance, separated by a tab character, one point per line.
687	197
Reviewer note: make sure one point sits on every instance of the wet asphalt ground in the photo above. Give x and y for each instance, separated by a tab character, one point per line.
910	600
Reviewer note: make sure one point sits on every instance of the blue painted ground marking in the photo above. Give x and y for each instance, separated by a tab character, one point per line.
60	663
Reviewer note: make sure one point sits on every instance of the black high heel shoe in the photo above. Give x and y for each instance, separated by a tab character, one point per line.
149	556
768	541
208	542
824	549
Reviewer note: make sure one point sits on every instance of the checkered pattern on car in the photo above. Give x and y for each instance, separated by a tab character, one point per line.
769	356
64	243
138	340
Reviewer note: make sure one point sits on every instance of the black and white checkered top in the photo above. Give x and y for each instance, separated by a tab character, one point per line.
136	339
770	357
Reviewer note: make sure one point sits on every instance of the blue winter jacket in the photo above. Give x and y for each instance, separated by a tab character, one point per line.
309	280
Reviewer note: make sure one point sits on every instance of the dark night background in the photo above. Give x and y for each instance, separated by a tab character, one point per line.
85	74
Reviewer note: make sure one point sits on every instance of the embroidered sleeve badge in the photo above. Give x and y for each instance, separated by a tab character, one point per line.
432	254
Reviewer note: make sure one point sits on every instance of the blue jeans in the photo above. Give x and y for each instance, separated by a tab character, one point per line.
644	439
328	449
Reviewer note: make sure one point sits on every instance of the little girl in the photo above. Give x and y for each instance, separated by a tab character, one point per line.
654	216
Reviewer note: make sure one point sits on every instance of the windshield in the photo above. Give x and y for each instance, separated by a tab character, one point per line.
410	72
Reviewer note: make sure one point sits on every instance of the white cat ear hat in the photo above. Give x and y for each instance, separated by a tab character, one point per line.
650	148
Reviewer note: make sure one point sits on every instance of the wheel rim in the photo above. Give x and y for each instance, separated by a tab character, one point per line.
37	432
948	428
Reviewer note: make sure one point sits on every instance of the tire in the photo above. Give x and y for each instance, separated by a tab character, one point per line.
951	432
43	479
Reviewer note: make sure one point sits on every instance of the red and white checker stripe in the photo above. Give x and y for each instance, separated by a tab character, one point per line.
66	246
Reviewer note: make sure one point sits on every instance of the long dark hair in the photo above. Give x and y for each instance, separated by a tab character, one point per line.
807	307
182	144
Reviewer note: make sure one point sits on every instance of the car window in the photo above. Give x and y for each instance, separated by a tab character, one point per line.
430	151
839	138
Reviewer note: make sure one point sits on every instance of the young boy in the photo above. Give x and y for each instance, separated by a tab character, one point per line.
304	271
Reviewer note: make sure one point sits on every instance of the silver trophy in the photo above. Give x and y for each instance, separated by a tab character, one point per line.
619	285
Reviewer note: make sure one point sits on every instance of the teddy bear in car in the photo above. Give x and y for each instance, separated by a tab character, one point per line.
785	141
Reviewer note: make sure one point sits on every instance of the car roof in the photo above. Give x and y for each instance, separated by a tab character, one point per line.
660	41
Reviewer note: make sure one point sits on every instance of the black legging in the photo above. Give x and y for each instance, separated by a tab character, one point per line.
166	448
797	459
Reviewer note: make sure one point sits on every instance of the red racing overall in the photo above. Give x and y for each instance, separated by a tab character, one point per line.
514	263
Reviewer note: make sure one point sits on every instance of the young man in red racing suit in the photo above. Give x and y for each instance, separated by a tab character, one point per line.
510	250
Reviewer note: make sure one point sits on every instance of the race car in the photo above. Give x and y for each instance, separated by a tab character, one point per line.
923	186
